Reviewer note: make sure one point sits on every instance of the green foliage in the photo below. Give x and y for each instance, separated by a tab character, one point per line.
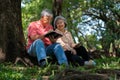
108	63
31	11
8	71
107	11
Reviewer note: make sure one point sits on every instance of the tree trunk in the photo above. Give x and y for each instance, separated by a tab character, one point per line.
11	34
57	8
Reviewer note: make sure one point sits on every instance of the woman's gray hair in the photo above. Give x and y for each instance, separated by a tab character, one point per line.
46	12
59	17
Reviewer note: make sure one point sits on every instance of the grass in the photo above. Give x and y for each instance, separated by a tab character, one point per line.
8	71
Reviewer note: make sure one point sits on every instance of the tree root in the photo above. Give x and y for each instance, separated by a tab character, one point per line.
24	60
69	74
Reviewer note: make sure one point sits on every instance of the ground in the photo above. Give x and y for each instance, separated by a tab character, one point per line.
105	69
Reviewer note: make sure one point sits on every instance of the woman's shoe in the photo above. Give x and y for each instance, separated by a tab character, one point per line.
90	63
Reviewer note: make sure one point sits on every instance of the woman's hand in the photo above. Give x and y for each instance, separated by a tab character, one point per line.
67	47
73	51
77	45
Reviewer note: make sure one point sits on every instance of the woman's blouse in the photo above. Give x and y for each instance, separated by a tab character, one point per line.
66	40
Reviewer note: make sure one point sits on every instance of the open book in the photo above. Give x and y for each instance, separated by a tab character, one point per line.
54	34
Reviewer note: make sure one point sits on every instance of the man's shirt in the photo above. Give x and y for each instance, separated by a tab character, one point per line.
37	28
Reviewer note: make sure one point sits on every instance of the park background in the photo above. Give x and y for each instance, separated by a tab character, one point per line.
93	23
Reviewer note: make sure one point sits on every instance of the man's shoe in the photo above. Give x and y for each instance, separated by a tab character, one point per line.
42	63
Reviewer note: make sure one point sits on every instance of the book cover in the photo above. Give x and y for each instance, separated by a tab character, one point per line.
54	34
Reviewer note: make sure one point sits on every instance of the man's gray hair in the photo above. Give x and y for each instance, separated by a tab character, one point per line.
46	12
59	17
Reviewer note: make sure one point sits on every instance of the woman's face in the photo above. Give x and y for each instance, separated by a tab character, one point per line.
60	24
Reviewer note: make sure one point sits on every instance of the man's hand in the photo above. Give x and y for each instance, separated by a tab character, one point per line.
34	37
41	36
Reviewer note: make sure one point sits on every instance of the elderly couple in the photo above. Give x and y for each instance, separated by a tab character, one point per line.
63	48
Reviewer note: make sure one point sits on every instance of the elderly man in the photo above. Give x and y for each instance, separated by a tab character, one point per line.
41	46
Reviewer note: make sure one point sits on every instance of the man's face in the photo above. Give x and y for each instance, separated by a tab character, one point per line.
46	19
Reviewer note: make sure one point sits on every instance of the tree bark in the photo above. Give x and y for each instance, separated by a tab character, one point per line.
57	8
11	35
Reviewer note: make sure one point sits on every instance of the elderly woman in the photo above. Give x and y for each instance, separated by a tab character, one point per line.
75	53
40	46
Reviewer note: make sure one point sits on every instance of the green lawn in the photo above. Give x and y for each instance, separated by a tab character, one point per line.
8	71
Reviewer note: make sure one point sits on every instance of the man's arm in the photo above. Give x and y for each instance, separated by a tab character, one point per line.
34	37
